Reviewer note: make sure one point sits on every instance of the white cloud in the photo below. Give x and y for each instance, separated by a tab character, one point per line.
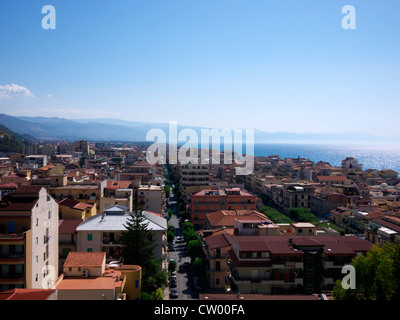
10	90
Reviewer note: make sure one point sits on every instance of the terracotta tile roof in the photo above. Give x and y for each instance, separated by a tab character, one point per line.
68	226
116	184
45	168
18	204
227	217
331	178
29	189
85	259
281	244
75	204
26	294
219	241
8	186
110	280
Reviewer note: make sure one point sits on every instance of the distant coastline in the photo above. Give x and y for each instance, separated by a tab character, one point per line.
371	156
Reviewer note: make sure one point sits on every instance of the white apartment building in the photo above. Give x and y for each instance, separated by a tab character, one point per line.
150	197
102	232
29	239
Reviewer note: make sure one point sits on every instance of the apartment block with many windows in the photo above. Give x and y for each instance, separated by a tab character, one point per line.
207	201
28	239
290	264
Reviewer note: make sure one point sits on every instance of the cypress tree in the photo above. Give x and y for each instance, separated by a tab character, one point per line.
137	239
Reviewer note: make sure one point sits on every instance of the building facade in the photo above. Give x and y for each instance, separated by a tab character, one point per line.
29	239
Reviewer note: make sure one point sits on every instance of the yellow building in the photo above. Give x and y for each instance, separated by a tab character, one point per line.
88	193
86	276
133	284
75	210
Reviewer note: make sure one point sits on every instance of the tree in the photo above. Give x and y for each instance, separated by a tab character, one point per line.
153	277
170	236
194	249
377	275
190	235
137	239
198	266
172	265
167	191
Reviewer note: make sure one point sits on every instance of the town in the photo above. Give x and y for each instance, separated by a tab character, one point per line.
283	232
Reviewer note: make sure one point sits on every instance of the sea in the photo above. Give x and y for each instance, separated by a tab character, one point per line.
370	156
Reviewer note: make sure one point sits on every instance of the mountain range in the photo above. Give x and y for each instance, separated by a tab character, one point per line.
107	130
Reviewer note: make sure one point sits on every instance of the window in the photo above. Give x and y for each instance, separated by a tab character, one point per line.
11	226
37	277
137	284
37	240
37	259
49	215
37	221
90	237
217	281
89	249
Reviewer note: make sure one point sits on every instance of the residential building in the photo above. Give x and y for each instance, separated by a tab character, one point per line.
87	191
193	178
217	246
76	210
323	203
67	239
81	146
35	161
226	218
87	277
150	197
28	239
351	163
334	179
207	201
296	195
102	232
290	265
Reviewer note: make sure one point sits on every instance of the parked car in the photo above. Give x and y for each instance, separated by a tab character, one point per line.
171	247
174	293
173	283
184	266
179	239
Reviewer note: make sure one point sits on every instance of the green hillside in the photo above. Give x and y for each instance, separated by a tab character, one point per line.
10	141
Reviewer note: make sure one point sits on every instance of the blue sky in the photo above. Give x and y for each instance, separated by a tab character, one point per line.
275	65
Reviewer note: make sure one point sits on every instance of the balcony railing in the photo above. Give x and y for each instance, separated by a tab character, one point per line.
12	276
12	256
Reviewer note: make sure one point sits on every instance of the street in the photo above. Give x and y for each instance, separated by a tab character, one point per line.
184	277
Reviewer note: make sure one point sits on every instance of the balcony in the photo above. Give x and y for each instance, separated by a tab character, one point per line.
269	278
288	264
12	256
107	242
14	277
